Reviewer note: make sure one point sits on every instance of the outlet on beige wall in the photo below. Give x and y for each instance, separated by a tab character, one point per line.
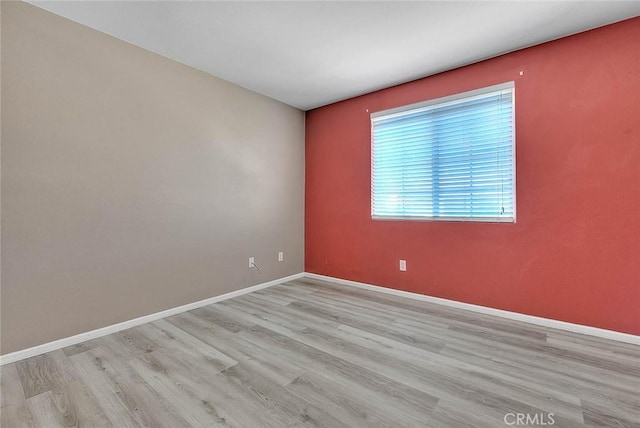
132	183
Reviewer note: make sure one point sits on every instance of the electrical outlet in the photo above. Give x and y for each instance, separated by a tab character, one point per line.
252	262
403	265
280	256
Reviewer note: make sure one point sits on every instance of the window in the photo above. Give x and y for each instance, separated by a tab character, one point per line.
450	159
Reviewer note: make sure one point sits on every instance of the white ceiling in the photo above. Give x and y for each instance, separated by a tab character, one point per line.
308	54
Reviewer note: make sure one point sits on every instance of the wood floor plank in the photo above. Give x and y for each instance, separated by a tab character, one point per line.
281	400
11	386
498	382
42	410
37	375
213	315
67	405
283	290
146	407
73	405
132	341
204	400
541	357
273	298
16	416
81	347
370	324
315	353
558	386
267	360
378	389
189	397
354	405
102	384
169	336
602	417
596	362
538	360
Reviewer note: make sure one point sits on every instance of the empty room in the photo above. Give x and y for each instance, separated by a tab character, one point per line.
320	213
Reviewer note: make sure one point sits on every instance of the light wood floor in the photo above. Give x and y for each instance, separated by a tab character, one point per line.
311	353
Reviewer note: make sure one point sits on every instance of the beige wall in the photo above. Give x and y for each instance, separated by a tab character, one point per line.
132	183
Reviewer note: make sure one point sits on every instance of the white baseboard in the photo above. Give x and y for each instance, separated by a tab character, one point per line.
545	322
72	340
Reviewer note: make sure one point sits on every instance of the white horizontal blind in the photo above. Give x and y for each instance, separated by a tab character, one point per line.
447	159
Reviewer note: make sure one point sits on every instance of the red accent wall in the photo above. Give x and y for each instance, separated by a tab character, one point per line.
574	253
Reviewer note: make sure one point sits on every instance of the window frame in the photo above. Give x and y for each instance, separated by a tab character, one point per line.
442	102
